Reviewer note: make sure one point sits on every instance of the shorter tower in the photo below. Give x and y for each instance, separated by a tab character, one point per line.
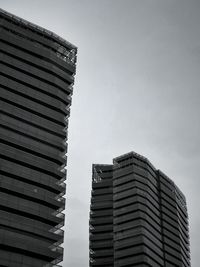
138	216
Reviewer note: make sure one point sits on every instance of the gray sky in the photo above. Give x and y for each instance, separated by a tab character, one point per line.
137	88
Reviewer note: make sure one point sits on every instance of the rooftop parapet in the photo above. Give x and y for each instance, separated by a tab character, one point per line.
67	51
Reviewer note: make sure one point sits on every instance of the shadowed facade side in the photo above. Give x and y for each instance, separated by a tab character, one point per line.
36	82
101	217
150	220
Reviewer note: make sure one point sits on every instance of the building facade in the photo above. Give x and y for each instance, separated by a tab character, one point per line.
37	70
138	216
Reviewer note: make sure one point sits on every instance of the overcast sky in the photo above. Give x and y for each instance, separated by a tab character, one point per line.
137	88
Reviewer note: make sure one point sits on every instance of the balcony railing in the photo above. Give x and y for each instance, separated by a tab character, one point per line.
60	198
59	214
57	231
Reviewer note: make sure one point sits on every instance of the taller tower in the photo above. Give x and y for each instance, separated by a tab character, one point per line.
146	215
36	79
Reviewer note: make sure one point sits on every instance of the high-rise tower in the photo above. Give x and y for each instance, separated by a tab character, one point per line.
37	70
138	216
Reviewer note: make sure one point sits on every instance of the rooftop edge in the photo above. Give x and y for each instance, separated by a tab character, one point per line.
37	28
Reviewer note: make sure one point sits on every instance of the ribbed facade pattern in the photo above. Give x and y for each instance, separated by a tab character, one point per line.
150	221
101	217
174	223
36	77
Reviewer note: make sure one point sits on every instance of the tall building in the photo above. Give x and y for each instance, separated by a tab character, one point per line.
138	216
36	81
